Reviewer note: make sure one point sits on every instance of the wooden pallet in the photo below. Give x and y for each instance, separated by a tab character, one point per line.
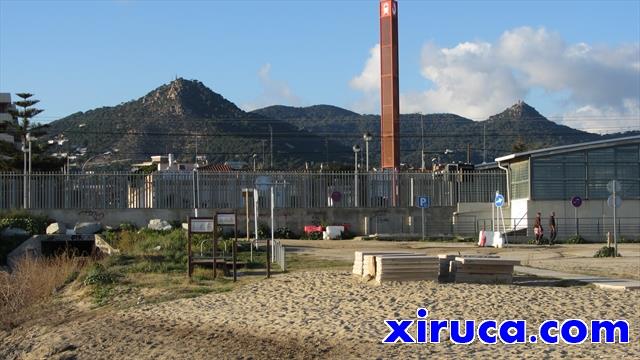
406	268
358	262
482	270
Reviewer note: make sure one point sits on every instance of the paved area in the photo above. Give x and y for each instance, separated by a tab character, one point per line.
602	282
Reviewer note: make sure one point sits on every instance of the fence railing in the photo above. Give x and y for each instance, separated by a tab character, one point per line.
588	227
208	190
279	254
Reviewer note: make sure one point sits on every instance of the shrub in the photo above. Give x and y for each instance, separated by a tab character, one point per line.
576	239
314	235
98	275
284	233
606	251
127	227
33	224
32	281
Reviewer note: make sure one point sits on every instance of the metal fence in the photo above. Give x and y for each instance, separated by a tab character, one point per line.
279	254
592	228
181	190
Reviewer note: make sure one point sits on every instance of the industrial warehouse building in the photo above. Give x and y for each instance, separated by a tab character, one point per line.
546	180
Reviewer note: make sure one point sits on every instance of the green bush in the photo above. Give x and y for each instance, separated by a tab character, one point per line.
606	251
98	275
127	227
314	235
33	224
576	239
284	233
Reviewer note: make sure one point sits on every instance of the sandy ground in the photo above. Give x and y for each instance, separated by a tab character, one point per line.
576	259
320	315
329	314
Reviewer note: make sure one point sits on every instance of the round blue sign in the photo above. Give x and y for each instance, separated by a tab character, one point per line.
499	200
576	201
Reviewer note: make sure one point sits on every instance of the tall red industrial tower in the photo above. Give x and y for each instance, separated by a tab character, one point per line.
389	95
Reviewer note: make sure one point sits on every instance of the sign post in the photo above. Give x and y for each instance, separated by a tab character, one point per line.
576	201
499	203
200	225
423	203
230	219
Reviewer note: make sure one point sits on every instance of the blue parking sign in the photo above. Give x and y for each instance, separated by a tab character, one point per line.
423	202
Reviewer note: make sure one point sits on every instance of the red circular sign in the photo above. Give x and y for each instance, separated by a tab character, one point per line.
576	201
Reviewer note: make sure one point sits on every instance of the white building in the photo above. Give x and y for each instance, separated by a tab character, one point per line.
546	180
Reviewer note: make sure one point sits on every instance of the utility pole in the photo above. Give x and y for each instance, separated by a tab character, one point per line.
422	141
484	143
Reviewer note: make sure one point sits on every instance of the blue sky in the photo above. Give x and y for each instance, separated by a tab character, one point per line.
473	58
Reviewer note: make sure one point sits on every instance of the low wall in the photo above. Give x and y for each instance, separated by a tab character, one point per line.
362	221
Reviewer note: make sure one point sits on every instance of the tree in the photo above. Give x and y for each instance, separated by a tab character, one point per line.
26	112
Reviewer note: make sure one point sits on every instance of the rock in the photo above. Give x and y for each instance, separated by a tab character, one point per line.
157	224
87	228
56	228
10	231
157	248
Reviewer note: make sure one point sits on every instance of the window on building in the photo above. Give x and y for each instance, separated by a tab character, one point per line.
520	180
586	173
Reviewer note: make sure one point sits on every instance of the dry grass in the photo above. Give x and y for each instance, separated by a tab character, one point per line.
33	281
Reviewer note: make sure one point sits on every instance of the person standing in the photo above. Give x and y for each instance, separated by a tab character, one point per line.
553	229
537	228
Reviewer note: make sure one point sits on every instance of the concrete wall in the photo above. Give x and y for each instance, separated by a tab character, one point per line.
362	221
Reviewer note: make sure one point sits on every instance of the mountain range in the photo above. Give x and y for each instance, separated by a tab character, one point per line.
186	118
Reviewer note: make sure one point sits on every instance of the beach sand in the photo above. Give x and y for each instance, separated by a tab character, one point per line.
318	314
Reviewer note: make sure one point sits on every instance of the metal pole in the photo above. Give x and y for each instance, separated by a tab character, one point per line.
422	142
615	231
24	173
423	234
272	225
29	182
576	212
366	147
235	244
271	145
195	206
355	178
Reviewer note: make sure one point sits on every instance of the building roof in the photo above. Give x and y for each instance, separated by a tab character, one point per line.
572	147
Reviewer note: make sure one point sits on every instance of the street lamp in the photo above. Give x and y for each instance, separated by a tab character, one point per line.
367	137
356	150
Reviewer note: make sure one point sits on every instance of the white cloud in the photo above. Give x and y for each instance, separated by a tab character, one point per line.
274	92
478	79
368	82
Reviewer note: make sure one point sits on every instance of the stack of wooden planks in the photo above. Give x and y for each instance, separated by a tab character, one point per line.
406	268
358	262
482	270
